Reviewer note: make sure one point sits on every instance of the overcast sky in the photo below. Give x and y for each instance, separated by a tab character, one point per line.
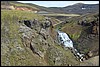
58	3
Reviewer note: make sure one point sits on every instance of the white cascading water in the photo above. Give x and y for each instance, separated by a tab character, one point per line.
64	39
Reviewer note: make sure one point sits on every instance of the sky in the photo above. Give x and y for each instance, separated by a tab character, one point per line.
58	3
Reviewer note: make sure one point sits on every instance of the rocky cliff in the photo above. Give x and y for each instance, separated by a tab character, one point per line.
29	39
26	41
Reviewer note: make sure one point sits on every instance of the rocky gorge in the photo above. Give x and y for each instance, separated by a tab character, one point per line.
29	39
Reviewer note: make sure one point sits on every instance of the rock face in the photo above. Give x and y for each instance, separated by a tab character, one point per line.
22	42
44	33
89	38
36	41
95	28
41	43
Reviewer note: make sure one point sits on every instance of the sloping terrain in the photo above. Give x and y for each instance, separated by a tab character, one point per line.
84	31
91	62
13	53
22	45
78	8
15	3
29	39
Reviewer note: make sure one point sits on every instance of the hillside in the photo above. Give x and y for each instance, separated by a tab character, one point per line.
78	8
30	39
72	9
23	46
83	34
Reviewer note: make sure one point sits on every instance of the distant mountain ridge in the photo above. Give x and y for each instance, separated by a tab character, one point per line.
78	8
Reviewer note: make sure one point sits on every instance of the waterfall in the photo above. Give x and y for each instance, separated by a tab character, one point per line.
64	39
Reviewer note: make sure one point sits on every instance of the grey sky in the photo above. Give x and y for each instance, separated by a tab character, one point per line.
58	3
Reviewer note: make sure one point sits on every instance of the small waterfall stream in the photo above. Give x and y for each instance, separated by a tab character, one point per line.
63	39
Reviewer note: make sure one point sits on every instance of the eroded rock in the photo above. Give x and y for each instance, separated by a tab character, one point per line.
44	33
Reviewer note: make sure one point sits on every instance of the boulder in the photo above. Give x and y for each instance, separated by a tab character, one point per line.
58	61
44	33
90	54
26	35
47	24
36	50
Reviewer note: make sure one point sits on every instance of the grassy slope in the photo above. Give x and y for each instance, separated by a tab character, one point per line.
9	20
9	31
22	5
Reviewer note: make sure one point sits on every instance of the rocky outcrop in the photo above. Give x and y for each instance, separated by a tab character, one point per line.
95	28
41	43
89	38
27	43
34	36
93	25
44	33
